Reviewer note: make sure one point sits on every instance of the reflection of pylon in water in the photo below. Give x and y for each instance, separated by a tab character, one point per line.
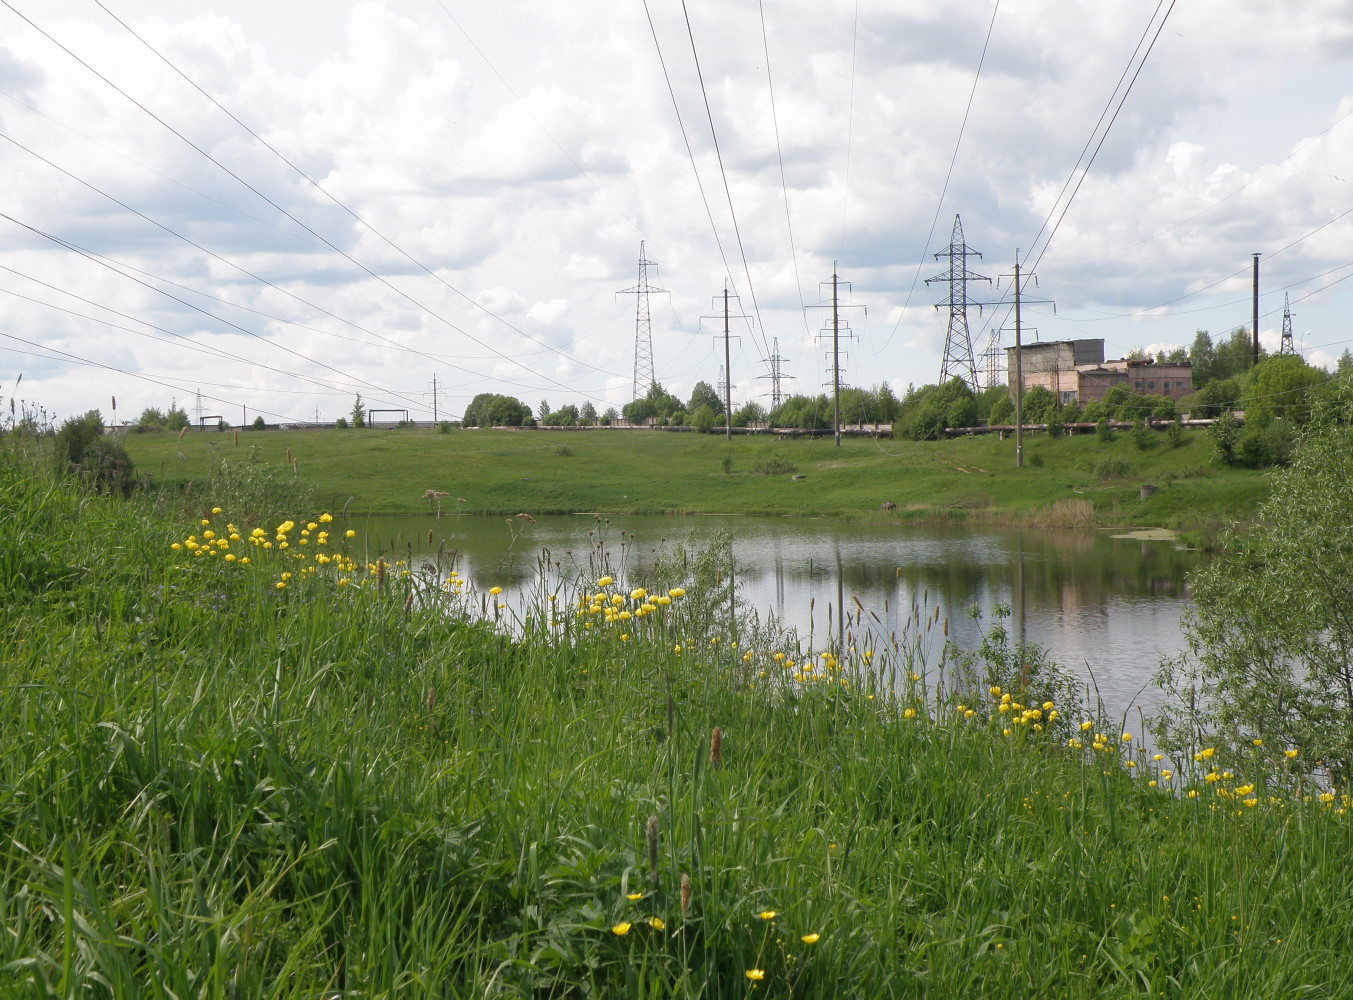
1288	345
643	327
958	355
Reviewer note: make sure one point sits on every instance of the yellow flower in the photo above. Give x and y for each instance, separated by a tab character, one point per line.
605	581
1289	754
1087	725
1257	743
756	975
325	518
656	923
205	522
1048	706
638	594
767	914
495	591
280	585
909	713
216	510
634	896
621	929
811	938
677	592
1127	737
349	534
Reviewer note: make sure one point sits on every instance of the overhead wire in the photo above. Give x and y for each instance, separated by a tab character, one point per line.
718	153
948	175
358	218
159	291
780	156
336	249
1103	135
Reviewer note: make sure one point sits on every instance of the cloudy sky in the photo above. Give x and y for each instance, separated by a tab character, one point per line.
389	193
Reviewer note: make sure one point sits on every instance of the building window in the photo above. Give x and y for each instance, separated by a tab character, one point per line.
1151	384
1165	386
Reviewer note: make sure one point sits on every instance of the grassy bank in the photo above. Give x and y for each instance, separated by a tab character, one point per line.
229	768
1066	480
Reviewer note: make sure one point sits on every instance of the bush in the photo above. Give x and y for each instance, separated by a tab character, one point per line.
1271	630
1104	430
1112	468
341	423
98	461
1143	437
444	427
259	423
774	465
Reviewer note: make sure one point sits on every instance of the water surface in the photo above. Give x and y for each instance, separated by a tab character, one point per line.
1105	608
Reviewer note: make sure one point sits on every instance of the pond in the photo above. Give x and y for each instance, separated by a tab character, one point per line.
1106	608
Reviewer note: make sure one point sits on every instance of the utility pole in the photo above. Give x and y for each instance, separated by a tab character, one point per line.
1019	363
727	315
836	308
1255	360
643	326
434	397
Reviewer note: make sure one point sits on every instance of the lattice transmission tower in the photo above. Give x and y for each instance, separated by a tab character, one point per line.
643	326
1288	345
776	375
958	355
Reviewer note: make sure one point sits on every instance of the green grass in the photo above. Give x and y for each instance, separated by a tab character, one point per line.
506	472
214	787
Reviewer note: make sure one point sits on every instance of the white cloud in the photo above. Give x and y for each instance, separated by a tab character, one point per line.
1218	152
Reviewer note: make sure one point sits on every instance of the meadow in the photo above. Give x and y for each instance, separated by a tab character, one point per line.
1071	481
241	758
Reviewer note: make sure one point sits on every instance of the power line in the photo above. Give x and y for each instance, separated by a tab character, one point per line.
307	228
784	187
751	289
944	189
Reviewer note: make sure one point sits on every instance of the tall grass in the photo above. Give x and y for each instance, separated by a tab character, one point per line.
214	787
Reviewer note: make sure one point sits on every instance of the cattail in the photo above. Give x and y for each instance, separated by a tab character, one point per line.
429	536
380	572
237	439
685	893
288	456
715	749
946	628
408	602
431	698
652	832
182	431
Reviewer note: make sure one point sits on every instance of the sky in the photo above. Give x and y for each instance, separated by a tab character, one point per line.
281	206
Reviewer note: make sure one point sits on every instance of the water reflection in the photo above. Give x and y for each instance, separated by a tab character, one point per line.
1105	607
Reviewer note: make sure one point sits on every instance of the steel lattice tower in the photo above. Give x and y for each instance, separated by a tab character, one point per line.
958	356
776	374
1288	345
643	327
